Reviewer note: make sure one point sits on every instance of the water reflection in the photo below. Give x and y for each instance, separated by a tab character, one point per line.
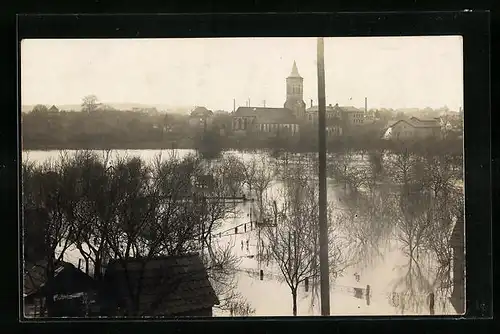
379	205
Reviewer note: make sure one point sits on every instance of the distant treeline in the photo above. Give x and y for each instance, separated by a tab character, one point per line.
134	130
103	129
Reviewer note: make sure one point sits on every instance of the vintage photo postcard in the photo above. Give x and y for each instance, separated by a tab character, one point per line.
229	177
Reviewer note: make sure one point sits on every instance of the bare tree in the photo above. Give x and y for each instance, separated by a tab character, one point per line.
222	274
364	215
184	222
47	192
447	211
412	288
413	219
291	246
263	177
422	222
400	166
89	103
250	171
346	170
293	242
94	211
40	108
129	210
232	174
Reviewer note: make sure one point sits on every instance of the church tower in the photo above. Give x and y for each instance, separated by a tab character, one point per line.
295	93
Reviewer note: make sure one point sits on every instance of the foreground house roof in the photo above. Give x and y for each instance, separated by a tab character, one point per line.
67	279
169	285
34	276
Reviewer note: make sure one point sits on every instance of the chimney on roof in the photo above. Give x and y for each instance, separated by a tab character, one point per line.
311	103
366	105
234	105
264	103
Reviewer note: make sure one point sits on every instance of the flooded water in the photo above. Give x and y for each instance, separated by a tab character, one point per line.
270	296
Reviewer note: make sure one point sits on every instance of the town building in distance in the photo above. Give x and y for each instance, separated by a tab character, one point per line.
294	116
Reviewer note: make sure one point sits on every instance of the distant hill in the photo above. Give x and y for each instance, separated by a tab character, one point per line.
119	106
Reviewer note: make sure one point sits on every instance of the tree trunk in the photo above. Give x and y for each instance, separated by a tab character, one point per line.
49	294
49	304
294	301
98	268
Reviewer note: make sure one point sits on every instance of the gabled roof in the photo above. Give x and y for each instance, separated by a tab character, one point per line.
267	115
170	285
415	123
53	108
34	276
67	279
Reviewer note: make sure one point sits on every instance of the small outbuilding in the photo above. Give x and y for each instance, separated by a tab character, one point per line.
169	286
53	109
69	287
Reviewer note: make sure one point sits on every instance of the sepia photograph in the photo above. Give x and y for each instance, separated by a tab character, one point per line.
241	177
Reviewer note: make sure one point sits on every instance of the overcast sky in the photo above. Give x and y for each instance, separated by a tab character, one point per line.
392	72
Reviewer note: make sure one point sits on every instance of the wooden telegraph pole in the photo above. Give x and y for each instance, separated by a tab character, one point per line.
323	228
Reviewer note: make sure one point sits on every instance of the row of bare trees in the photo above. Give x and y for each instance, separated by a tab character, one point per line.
402	195
292	240
412	197
126	208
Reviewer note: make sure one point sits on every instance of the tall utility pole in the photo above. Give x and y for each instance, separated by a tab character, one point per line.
323	227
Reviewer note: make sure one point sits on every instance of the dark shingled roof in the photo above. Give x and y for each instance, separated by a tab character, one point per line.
170	285
67	279
34	276
267	115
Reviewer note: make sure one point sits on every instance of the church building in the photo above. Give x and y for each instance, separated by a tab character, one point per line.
274	121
